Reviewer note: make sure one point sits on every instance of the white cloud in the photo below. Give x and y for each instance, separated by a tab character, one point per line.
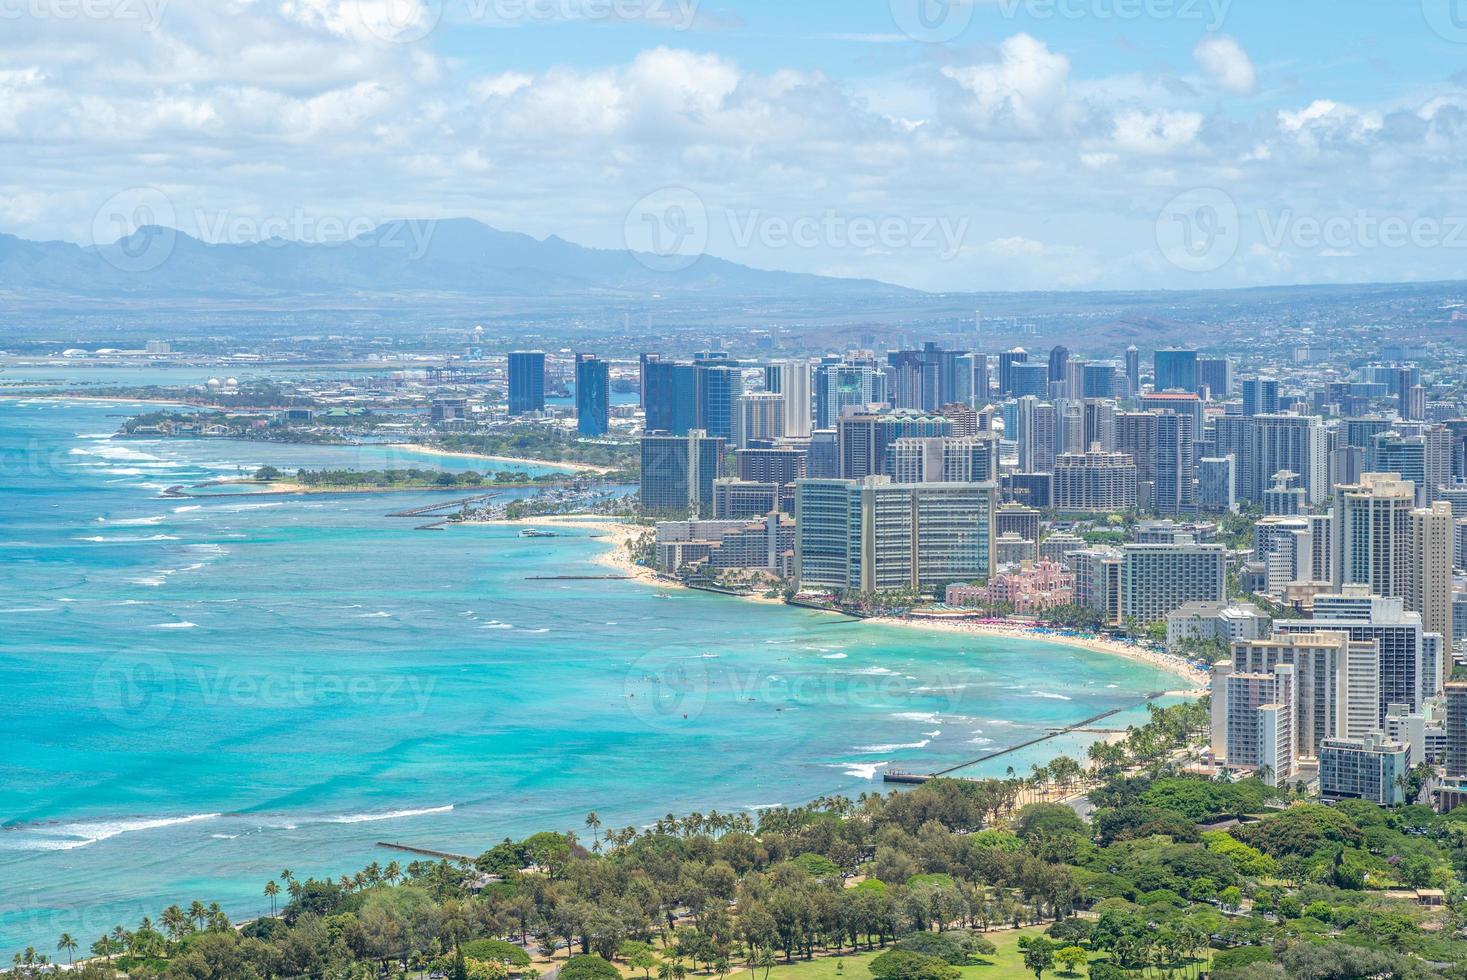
1226	64
1023	90
1156	133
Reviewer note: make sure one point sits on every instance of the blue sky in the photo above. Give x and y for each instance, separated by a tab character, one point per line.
968	144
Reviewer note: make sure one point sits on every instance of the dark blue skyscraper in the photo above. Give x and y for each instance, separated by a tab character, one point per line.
526	382
718	390
593	395
1059	359
1029	379
1260	396
1176	370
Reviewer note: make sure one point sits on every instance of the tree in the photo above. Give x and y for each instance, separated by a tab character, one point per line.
1070	959
639	956
1038	955
588	966
67	943
899	964
271	890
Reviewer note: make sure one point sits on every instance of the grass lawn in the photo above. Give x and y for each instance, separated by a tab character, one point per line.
1007	964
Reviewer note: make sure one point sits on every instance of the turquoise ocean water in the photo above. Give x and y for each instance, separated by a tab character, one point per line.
198	693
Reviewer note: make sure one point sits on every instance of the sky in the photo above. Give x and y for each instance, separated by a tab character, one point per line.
947	145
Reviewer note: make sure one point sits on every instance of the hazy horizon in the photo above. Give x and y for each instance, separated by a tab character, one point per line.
943	145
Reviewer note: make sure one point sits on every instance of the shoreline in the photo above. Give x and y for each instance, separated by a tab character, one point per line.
618	535
418	447
1094	644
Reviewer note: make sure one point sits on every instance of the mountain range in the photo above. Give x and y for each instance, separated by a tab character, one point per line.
441	258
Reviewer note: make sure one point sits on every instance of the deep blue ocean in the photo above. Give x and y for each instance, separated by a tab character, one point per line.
199	693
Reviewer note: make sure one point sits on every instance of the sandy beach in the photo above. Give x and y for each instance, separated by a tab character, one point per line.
617	555
418	447
1095	644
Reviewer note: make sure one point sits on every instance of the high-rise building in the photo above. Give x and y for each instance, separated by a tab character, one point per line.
1094	482
718	388
1006	361
1059	359
1036	432
1100	425
1327	684
1133	370
1404	648
864	437
1372	527
873	535
1259	711
1158	578
1456	728
924	379
1402	455
1261	396
951	459
1100	380
973	380
1216	375
760	418
1372	768
845	385
792	380
776	464
1029	379
1265	444
1136	437
670	397
1174	483
1217	484
593	395
643	359
1175	369
526	382
678	472
1429	576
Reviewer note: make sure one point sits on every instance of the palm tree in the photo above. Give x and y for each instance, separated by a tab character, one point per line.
393	872
197	913
271	890
593	824
67	943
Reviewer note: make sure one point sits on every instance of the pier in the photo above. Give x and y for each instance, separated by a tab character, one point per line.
910	778
425	852
430	510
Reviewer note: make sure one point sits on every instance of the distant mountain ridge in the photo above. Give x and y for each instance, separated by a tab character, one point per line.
458	256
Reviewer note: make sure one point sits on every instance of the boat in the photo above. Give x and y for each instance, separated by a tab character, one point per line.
533	532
